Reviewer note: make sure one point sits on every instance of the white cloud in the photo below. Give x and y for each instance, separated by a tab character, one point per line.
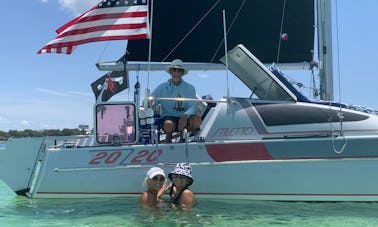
77	7
79	93
25	123
63	94
51	92
4	120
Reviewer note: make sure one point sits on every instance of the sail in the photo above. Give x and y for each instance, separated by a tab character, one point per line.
193	30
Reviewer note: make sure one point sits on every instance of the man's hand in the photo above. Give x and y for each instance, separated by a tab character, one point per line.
182	122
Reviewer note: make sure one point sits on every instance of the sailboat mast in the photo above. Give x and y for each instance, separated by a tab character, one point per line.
324	19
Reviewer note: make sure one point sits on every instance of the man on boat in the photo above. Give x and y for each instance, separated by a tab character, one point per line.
176	114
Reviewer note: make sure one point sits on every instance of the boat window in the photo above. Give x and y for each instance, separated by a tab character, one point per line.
274	114
115	123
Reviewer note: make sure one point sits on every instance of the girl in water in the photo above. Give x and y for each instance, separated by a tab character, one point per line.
155	181
181	195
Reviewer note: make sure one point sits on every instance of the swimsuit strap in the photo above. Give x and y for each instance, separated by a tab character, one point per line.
176	200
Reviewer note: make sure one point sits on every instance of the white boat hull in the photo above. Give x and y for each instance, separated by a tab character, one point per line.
120	171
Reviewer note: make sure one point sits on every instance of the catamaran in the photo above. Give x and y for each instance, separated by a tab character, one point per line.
274	144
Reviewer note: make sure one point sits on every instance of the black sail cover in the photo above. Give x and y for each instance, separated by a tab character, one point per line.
180	32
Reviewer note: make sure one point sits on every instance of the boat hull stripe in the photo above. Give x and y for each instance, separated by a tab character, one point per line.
238	152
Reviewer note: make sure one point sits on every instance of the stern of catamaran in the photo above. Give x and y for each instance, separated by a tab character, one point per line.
18	161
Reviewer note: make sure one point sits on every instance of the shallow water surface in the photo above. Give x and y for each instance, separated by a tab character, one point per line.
21	211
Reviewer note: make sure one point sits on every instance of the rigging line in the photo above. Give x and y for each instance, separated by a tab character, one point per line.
191	30
229	28
299	84
125	71
313	90
340	113
279	40
344	142
103	51
150	45
315	93
338	52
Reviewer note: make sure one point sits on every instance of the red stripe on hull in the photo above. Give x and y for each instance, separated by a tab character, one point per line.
238	152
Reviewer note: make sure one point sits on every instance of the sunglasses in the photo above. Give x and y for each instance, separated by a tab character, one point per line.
177	69
156	178
178	176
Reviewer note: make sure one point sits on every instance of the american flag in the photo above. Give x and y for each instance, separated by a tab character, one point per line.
108	20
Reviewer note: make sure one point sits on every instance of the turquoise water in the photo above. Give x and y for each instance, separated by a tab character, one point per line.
20	211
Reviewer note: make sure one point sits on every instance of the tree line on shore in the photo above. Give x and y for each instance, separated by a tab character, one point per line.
40	133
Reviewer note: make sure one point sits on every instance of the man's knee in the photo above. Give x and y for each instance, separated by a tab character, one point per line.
194	122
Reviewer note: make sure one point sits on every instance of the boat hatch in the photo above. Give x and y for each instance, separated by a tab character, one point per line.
263	83
115	123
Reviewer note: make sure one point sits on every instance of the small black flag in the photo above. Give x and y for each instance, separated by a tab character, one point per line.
117	82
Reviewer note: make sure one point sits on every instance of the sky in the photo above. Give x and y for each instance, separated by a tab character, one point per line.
52	91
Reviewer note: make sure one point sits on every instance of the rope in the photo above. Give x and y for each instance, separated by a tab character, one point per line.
103	52
315	91
229	28
150	46
340	113
191	30
279	40
345	142
338	52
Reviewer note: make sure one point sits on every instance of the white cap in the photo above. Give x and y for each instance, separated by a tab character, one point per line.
155	171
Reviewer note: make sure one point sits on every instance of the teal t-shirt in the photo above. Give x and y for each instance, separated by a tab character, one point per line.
175	108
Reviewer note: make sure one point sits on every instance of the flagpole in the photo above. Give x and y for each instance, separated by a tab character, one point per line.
104	87
147	92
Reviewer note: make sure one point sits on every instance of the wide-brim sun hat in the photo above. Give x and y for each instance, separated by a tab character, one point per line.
155	171
182	169
177	64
